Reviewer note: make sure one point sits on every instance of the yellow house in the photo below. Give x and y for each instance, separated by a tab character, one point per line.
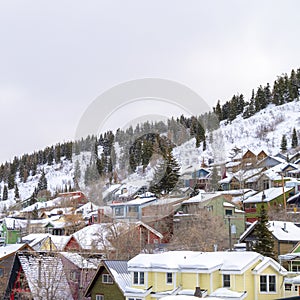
229	275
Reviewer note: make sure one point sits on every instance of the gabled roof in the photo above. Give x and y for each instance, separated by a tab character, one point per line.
118	269
267	262
45	274
119	272
10	249
270	194
282	231
82	262
93	236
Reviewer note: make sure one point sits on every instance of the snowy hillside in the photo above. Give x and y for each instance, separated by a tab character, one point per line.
263	131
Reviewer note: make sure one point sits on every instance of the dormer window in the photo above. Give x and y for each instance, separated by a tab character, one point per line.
139	278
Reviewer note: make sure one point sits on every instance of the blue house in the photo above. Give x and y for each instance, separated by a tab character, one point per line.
131	210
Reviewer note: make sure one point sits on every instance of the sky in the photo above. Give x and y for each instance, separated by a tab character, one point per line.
57	57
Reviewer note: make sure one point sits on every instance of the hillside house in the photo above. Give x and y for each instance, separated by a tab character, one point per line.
269	198
110	281
38	276
286	236
79	270
246	275
131	210
218	205
7	257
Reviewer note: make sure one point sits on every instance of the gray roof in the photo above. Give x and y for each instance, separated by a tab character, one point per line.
119	271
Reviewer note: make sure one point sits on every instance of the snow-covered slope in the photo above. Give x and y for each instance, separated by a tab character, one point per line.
262	131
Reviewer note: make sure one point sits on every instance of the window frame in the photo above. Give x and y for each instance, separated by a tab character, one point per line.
270	286
108	280
226	280
138	278
99	297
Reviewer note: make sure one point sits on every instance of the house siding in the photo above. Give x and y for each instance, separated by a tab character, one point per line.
110	291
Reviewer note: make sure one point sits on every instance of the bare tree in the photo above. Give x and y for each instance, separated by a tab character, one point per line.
200	232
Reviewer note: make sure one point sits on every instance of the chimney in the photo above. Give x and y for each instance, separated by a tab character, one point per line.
198	292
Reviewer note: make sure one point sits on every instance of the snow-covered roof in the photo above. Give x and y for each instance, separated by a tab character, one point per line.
225	293
193	260
93	236
81	261
270	194
284	231
266	262
138	201
119	271
9	249
12	223
202	197
281	230
45	276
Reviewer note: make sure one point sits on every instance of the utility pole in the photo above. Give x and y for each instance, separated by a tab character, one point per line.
229	231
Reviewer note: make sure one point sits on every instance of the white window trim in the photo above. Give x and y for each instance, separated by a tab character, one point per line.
107	280
139	278
99	297
268	281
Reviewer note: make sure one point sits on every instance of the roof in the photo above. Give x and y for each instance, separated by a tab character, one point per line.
201	197
93	236
45	275
138	201
194	260
119	271
282	231
10	249
228	294
270	194
81	261
266	262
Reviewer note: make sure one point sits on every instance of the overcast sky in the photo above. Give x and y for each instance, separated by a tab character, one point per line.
57	56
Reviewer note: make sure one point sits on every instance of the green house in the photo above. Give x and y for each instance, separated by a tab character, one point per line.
271	197
11	230
217	203
109	281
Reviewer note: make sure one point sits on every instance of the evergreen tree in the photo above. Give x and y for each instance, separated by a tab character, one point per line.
5	193
283	145
265	243
166	175
42	184
17	195
11	181
294	139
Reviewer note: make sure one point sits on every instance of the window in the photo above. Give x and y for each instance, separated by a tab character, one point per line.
134	299
169	278
288	287
226	280
138	278
119	211
132	209
1	272
267	283
228	212
106	278
73	275
99	297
